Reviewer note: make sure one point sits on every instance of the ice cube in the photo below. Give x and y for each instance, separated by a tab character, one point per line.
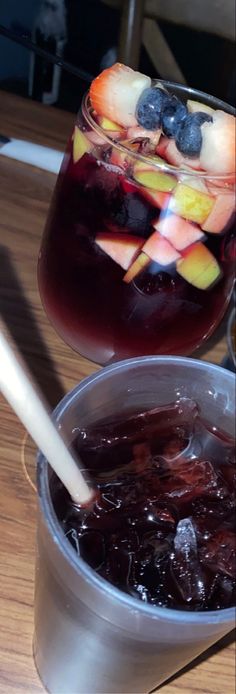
185	565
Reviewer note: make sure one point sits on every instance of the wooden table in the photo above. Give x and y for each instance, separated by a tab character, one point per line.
24	199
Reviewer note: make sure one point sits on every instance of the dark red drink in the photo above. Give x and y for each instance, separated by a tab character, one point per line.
138	254
163	526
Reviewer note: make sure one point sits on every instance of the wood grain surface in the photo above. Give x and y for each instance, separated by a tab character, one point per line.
25	193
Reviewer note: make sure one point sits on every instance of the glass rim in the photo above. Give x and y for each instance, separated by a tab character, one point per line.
166	167
45	501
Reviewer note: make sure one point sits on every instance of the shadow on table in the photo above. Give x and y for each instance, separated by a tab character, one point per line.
223	643
22	325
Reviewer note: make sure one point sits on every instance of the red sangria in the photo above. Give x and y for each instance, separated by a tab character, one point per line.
138	252
162	528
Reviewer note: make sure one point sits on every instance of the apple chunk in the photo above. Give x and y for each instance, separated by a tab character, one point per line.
178	231
122	248
156	248
191	204
156	180
199	267
221	213
81	144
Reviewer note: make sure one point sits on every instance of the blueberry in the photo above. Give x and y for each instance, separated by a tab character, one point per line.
189	136
150	107
172	116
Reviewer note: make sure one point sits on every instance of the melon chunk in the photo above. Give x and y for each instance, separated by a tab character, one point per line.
218	144
196	106
199	267
191	204
81	144
178	231
122	248
221	213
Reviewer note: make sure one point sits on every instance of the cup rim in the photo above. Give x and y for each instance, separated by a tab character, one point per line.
224	615
174	170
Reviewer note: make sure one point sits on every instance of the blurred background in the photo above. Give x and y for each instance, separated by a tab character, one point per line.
190	42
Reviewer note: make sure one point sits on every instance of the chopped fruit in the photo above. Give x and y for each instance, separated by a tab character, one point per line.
137	132
157	249
122	248
81	144
189	137
199	267
149	163
108	124
150	107
196	182
116	91
218	144
118	158
167	148
123	158
155	180
172	116
138	265
160	250
95	137
156	197
195	106
221	213
191	204
178	231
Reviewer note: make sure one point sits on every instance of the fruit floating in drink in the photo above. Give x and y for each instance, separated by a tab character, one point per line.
138	254
163	526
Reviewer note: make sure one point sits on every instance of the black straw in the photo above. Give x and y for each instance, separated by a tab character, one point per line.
31	46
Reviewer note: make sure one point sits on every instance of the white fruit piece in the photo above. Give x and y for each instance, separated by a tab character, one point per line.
218	144
196	106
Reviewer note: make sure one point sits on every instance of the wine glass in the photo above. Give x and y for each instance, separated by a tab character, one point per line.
138	252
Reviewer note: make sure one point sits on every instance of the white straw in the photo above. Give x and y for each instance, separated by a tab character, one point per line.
21	392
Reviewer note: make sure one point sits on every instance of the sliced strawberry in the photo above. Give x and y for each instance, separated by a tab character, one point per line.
115	93
122	248
178	231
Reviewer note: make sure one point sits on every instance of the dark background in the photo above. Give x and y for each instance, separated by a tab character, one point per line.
93	28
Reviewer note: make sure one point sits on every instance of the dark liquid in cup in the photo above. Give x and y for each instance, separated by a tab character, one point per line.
82	288
163	526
